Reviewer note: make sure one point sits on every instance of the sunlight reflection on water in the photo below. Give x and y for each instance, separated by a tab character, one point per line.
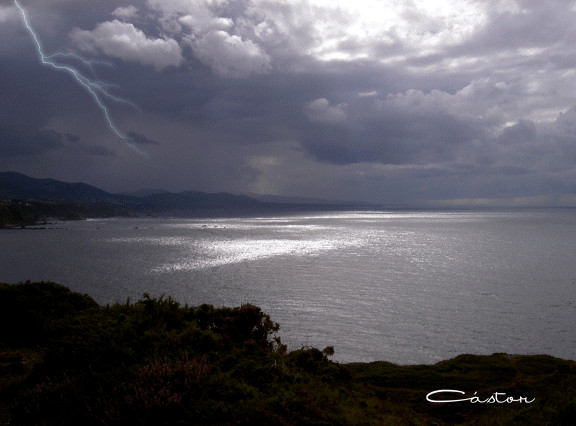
407	287
216	253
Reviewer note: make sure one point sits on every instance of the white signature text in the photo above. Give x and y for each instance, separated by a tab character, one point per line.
495	398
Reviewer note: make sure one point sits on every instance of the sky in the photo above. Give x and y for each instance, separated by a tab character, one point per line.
398	102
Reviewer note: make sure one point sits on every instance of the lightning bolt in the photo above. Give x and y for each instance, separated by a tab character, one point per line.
95	88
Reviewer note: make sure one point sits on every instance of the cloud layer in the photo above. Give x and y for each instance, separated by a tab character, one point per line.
124	41
385	101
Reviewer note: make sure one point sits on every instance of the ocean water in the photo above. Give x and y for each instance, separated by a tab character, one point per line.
404	287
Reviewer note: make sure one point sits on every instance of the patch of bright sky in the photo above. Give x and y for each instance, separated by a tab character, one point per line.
421	25
7	13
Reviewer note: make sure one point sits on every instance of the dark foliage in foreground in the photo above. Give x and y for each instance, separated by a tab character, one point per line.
66	360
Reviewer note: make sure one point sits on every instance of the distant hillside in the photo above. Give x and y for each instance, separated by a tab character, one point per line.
145	192
18	186
26	201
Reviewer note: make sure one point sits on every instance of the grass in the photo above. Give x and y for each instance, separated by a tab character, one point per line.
66	360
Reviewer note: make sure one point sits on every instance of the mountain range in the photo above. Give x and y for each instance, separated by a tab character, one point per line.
18	186
25	199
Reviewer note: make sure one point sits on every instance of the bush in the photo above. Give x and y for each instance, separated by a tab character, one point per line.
68	361
29	311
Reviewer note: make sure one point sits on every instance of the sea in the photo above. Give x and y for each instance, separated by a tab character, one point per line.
408	287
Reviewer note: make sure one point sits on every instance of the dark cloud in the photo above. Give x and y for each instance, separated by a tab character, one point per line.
100	151
72	138
417	104
15	143
141	139
391	131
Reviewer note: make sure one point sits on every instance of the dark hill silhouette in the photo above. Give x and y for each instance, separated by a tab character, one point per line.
26	201
18	186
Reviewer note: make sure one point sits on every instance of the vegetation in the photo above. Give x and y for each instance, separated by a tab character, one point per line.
31	213
66	360
17	214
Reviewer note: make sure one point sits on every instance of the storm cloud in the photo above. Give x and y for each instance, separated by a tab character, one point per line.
422	102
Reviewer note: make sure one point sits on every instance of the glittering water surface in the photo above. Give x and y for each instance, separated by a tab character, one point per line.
405	287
